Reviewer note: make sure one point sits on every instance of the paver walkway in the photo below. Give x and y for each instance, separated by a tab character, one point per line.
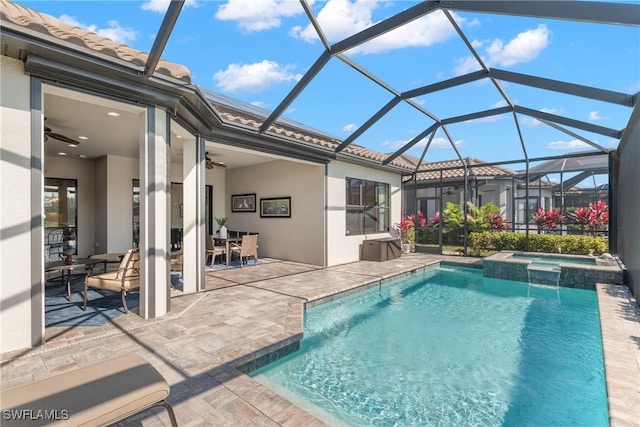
248	313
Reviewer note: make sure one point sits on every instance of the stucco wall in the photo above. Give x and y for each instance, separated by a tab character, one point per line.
299	238
340	247
15	209
629	202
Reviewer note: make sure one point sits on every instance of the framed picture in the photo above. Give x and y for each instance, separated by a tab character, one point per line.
243	203
276	207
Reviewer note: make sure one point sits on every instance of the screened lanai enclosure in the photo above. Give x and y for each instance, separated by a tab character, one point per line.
460	82
531	193
516	199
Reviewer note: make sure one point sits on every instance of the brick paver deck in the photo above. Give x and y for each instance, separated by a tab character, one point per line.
250	312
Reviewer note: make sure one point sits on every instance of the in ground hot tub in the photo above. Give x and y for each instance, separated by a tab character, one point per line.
573	271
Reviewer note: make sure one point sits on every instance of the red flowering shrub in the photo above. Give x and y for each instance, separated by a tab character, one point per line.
548	219
593	218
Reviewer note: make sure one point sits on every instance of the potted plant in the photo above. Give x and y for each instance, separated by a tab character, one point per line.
222	221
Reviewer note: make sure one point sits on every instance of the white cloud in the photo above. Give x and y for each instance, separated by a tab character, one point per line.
350	127
498	104
161	6
254	77
525	47
466	65
594	116
258	15
259	104
574	144
340	19
114	31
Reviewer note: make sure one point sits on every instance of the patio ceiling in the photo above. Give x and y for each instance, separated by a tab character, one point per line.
588	12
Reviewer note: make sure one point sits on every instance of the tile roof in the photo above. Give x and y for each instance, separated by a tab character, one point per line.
454	169
301	133
48	25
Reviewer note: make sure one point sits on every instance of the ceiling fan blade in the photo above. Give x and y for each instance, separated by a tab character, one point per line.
210	163
62	138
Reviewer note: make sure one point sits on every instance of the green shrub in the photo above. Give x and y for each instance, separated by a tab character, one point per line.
551	243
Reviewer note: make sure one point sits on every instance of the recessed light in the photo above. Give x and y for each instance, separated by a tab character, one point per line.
82	156
83	137
73	145
179	136
62	154
113	114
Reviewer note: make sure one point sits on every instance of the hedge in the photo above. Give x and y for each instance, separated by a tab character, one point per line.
552	243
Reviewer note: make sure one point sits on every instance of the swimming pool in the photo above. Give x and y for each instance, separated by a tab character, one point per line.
449	347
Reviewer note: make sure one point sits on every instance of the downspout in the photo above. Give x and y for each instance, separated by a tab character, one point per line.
613	204
440	217
326	215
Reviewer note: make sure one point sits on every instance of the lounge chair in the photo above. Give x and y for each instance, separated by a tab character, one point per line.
95	395
126	278
248	247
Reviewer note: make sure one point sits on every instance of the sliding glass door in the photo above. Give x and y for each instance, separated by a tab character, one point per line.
60	217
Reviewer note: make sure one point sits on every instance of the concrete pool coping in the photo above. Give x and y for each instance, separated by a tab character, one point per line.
253	312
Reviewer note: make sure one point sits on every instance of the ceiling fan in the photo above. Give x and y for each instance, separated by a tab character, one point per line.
49	133
211	164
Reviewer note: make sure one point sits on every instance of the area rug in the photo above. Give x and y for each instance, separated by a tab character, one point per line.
234	264
102	306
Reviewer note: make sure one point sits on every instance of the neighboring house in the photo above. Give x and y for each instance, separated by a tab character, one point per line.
116	158
443	182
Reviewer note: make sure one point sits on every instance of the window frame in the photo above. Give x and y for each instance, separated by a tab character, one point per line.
366	211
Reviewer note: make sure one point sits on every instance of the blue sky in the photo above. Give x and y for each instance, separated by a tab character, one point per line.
256	51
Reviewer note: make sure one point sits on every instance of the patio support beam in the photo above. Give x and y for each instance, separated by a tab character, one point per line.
385	26
597	12
372	120
541	115
477	115
563	87
297	89
170	18
575	135
445	84
193	167
411	143
155	213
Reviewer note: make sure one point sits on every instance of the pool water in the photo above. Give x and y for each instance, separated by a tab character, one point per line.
449	347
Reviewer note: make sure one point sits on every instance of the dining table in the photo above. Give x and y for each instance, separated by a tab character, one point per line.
65	267
230	238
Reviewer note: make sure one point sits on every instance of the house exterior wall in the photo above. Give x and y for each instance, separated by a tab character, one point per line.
16	320
340	247
629	202
299	238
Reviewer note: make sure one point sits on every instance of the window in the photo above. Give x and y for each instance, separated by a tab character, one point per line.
60	214
367	207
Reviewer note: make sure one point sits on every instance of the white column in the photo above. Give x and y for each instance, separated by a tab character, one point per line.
155	215
194	214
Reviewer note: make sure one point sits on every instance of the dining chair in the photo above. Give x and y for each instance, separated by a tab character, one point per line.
214	250
247	247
